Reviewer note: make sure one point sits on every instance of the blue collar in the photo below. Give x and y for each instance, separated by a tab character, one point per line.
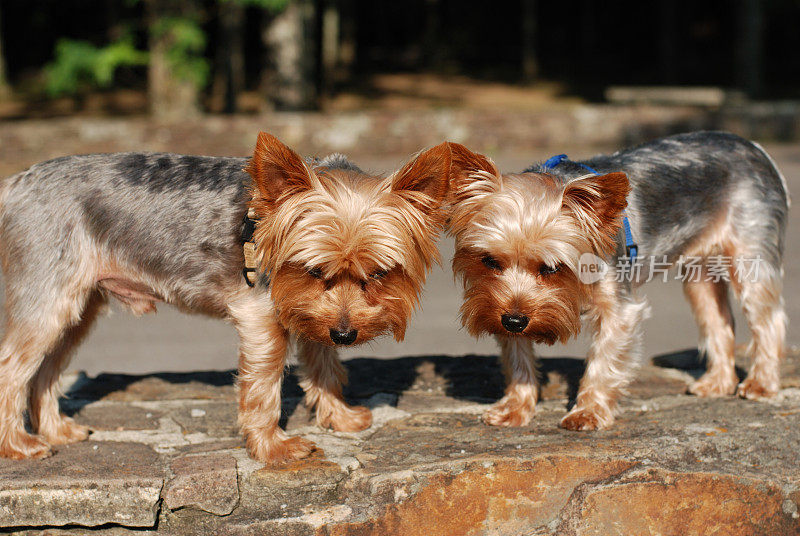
631	249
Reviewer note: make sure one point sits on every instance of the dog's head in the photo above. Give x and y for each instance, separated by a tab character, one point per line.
519	239
348	252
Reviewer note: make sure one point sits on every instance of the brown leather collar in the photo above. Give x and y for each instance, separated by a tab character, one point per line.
250	270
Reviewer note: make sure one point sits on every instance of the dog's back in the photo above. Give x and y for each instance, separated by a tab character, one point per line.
171	220
718	201
689	183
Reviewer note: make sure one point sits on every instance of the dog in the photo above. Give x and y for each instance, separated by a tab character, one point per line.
340	257
522	239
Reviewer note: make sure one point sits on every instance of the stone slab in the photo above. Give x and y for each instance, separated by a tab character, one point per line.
86	484
206	482
289	491
672	463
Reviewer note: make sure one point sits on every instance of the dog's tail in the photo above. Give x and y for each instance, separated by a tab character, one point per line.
778	171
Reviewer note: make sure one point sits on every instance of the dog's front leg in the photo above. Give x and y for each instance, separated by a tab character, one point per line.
323	378
516	408
262	356
612	359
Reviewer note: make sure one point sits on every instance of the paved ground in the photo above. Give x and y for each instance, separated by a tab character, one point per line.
165	454
172	341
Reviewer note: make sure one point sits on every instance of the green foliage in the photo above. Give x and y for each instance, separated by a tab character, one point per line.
79	65
186	42
274	6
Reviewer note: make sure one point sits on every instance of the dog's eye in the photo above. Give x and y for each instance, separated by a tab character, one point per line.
380	274
316	273
492	263
374	276
546	269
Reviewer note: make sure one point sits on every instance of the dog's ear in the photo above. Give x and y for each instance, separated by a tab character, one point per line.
277	171
424	180
471	173
597	202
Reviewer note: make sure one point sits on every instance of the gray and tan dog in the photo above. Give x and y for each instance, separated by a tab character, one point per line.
347	254
710	202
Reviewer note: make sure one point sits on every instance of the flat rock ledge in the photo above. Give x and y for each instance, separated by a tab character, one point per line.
165	458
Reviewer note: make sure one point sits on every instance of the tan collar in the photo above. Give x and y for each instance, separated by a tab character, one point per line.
250	271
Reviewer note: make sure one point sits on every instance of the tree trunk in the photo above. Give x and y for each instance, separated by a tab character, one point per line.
530	63
114	30
329	45
5	87
667	44
290	38
171	96
229	76
749	72
433	52
347	38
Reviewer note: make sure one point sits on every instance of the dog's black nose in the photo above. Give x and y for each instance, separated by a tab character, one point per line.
514	323
346	336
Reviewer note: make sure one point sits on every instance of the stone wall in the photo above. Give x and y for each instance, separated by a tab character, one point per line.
390	132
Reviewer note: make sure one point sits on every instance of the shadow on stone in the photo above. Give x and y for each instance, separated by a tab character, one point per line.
691	361
476	378
104	384
472	377
168	385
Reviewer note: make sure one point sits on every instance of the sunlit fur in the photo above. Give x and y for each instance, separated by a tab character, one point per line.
371	238
519	238
526	221
341	250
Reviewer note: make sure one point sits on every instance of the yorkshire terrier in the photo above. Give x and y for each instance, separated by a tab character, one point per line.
522	242
339	257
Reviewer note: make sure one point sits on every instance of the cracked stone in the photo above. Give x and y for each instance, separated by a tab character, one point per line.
428	465
87	484
692	504
503	498
206	482
290	490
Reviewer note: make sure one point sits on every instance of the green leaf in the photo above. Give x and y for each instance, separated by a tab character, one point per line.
274	6
79	65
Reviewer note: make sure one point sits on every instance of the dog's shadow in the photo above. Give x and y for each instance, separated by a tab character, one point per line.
476	378
691	361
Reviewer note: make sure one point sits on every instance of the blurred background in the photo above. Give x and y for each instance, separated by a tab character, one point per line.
518	80
177	57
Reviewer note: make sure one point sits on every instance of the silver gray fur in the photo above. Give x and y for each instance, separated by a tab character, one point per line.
175	219
681	183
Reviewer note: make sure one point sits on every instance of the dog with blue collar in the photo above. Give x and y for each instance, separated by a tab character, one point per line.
565	243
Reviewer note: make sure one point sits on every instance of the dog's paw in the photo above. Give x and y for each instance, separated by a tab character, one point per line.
280	452
65	432
587	419
22	445
347	418
714	386
753	389
510	412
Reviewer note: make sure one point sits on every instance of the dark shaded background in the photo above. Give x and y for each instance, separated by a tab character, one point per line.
583	45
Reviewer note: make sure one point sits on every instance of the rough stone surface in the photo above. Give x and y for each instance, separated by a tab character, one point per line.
696	504
86	484
207	482
165	456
